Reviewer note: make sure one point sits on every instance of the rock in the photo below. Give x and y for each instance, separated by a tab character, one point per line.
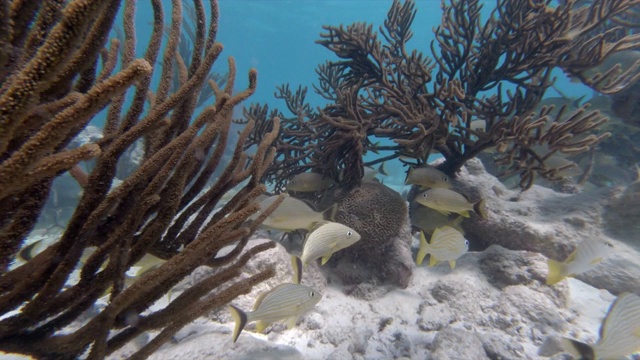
383	254
497	347
455	343
543	221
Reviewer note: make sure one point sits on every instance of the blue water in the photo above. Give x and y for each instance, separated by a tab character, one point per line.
277	37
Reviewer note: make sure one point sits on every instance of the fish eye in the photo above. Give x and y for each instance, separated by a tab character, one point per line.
466	242
424	195
312	294
349	233
445	179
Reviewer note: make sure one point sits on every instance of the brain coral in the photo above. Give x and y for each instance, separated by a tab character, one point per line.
383	254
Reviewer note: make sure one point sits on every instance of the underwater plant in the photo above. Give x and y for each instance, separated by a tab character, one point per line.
56	76
492	72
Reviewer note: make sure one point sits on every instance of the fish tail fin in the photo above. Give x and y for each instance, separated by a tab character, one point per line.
406	179
240	318
296	264
382	171
481	209
576	348
556	272
424	247
330	213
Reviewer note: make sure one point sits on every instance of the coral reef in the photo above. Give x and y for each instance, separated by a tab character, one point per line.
495	71
383	254
55	77
550	223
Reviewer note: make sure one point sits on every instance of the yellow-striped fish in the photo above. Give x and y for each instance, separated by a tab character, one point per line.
448	201
619	332
325	240
447	244
428	177
587	255
309	182
292	214
285	301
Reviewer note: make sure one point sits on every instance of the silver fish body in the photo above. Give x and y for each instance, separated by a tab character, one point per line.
428	177
619	332
292	214
447	201
326	239
309	182
447	244
285	301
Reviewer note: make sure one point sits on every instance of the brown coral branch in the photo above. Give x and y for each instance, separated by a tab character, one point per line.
121	224
56	130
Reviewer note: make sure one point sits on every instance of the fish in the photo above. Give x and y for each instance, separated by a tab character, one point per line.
619	332
427	220
292	214
478	125
285	301
326	239
428	177
309	182
587	255
448	201
447	244
370	173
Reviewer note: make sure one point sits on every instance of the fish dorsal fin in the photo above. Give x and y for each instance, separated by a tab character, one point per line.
259	300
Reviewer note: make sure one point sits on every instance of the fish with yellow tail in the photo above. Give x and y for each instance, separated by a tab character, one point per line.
586	256
447	244
448	201
284	302
292	214
326	239
619	332
309	182
428	177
